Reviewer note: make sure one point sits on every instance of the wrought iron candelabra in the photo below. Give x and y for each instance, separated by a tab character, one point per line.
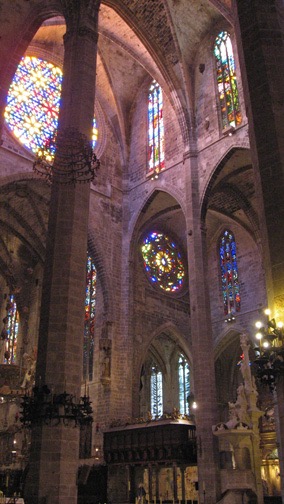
270	351
44	407
67	158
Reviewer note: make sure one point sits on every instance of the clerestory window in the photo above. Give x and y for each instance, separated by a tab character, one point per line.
156	152
229	273
227	81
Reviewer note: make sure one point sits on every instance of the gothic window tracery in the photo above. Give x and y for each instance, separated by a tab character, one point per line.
10	331
89	325
184	384
156	387
227	81
156	153
229	273
163	262
33	103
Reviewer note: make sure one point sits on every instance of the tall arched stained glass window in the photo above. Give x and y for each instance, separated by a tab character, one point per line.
11	328
184	385
90	311
95	132
227	81
229	273
156	153
156	392
33	103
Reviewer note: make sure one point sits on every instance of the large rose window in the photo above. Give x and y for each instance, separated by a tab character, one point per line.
163	262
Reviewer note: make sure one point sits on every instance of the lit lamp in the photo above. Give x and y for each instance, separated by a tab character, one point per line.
230	318
192	402
270	351
155	175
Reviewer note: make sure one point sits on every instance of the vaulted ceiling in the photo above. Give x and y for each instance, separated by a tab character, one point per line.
138	40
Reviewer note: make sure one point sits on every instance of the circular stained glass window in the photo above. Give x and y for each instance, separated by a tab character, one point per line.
33	103
163	262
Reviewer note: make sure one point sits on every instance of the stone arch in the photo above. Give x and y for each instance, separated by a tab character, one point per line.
179	344
218	167
176	336
98	256
174	193
155	51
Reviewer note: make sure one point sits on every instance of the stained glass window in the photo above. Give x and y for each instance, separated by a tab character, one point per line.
156	154
184	385
227	81
95	132
229	273
156	392
11	328
89	327
33	103
163	262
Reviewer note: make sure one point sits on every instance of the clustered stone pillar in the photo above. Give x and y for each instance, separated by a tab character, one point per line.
201	340
54	457
260	39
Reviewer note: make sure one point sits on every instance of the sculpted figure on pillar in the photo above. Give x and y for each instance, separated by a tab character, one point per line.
249	381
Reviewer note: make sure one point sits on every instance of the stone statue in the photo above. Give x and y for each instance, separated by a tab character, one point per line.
30	365
249	381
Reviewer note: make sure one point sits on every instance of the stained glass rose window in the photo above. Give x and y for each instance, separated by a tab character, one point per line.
163	262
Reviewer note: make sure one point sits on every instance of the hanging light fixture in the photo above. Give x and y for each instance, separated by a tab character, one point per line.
269	351
44	407
67	158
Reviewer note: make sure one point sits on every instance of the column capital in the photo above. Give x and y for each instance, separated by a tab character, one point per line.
79	13
81	31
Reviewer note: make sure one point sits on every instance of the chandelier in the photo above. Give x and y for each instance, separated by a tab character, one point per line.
44	407
66	158
270	351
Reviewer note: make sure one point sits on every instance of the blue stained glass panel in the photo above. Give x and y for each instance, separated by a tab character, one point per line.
229	273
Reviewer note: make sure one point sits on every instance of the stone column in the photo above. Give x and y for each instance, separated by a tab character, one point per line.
260	40
150	480
55	448
182	470
201	338
175	482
